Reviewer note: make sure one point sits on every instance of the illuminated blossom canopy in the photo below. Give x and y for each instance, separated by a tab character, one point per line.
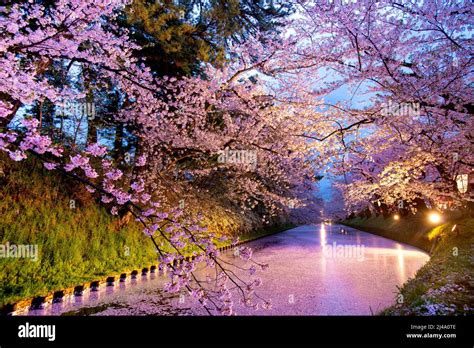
412	62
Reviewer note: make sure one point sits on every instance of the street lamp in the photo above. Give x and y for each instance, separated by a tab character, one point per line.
462	182
434	217
396	217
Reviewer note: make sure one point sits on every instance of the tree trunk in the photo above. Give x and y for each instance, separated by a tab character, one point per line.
91	131
5	121
118	148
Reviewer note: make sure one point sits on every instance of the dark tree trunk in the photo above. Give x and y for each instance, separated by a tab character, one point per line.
91	131
118	143
5	121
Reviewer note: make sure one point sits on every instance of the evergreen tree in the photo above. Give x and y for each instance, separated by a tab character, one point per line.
177	36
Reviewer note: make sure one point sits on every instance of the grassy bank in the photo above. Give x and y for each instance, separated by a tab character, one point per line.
445	284
77	240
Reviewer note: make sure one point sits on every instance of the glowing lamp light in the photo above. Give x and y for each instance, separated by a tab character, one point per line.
462	182
434	218
396	217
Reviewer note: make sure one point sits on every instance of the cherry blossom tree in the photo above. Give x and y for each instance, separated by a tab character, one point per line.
182	127
413	63
258	128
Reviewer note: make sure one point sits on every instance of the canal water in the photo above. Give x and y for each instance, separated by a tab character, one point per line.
314	270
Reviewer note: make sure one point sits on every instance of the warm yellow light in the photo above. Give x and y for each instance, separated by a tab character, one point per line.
396	217
434	218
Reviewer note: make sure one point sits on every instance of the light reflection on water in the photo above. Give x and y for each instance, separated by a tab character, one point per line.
322	235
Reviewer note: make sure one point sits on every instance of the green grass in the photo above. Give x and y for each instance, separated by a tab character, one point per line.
75	245
445	284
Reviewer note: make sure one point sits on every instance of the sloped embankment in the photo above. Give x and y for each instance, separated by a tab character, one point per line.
77	240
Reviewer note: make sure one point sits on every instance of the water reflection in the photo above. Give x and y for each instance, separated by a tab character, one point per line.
322	235
320	284
401	263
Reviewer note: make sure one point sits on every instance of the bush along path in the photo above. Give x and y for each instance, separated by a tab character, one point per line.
445	284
